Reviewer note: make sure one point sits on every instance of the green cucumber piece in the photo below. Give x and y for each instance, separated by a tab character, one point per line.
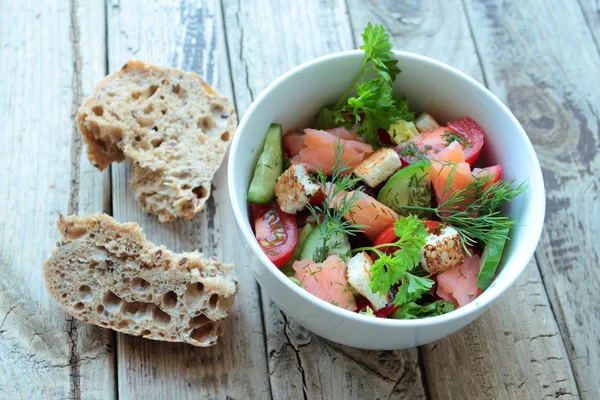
492	253
409	186
338	244
268	167
302	235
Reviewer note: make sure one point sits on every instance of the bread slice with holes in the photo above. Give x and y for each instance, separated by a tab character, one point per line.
106	273
172	126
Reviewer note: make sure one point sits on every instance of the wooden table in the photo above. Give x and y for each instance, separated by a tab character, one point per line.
541	57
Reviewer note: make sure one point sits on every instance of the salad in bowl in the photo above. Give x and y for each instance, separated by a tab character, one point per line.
377	209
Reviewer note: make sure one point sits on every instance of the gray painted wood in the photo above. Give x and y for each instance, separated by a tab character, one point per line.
302	365
189	35
541	60
423	27
47	64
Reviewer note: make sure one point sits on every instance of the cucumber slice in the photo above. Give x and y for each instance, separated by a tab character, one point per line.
338	245
268	168
409	186
492	253
302	235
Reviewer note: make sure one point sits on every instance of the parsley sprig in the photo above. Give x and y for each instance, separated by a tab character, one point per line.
390	269
375	106
333	223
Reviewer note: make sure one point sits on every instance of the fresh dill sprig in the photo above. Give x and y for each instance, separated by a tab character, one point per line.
336	203
474	210
411	151
455	137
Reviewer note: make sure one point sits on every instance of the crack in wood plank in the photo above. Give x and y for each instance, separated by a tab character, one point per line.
73	208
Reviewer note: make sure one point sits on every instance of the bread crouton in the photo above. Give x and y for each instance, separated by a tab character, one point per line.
442	252
359	277
378	167
426	123
294	189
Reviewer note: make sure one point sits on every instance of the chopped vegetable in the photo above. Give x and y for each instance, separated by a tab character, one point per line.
276	232
268	168
490	259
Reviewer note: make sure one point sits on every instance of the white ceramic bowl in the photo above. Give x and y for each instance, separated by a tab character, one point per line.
294	100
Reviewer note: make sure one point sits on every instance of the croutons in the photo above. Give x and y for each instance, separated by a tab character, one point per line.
426	123
359	277
294	189
442	252
378	167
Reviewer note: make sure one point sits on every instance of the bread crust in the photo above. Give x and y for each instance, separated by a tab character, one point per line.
172	126
106	273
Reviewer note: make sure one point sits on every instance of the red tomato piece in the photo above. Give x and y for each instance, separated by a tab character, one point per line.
432	143
471	131
362	303
275	231
495	171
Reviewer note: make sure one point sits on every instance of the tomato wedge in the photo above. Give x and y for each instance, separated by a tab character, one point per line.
275	231
495	171
471	131
432	143
389	236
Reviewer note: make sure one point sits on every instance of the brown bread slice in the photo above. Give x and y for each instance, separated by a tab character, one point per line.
106	273
171	125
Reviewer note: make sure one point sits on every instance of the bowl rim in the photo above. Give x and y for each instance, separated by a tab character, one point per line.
525	252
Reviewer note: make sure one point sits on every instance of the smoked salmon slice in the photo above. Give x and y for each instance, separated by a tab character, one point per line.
326	280
459	284
316	148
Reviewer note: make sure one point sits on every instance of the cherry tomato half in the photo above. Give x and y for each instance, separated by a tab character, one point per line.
471	131
433	142
275	231
495	171
389	236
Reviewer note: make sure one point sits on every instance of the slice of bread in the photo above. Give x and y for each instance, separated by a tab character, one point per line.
106	273
171	125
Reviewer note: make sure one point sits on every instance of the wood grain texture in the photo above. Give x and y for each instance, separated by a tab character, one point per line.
591	13
302	365
514	351
43	352
542	61
93	371
422	27
189	35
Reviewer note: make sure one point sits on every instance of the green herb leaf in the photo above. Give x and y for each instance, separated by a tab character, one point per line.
378	50
413	310
455	137
375	106
412	288
388	269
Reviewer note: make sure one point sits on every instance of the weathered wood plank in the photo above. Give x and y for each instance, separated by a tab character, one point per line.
93	372
522	314
45	68
591	13
504	357
302	365
542	61
189	35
